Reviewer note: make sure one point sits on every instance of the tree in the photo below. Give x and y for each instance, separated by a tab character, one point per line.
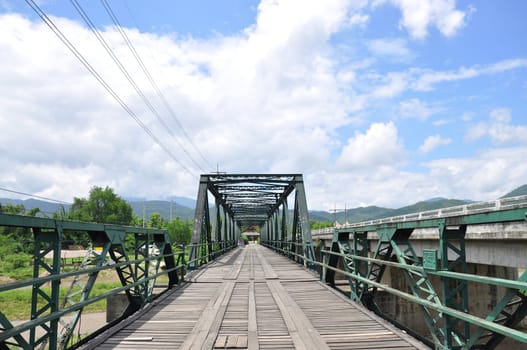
156	221
103	206
15	240
180	231
315	225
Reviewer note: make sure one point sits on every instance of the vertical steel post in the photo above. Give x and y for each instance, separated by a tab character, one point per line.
199	222
303	216
45	242
217	237
283	233
455	292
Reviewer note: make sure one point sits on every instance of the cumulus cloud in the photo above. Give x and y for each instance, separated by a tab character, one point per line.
485	176
419	15
262	100
481	177
378	146
271	98
499	129
432	142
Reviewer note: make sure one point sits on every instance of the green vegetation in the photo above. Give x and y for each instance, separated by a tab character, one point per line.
102	205
180	231
520	191
316	225
16	246
16	304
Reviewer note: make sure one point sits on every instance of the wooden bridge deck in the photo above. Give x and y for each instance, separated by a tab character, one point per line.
253	298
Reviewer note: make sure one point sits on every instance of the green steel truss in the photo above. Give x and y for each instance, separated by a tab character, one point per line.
127	250
244	201
449	330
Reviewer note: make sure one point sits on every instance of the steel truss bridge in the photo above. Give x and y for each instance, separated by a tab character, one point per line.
252	298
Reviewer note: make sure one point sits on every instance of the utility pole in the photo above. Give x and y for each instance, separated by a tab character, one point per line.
144	213
336	210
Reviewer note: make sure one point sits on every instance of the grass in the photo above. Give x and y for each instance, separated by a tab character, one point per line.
16	304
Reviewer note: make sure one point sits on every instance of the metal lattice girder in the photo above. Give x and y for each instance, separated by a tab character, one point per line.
455	292
252	200
47	311
349	250
42	301
509	311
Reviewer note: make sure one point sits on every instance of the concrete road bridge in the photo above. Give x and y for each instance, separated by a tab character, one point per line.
447	279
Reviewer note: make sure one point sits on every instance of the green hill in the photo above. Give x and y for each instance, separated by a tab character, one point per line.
162	207
520	191
184	208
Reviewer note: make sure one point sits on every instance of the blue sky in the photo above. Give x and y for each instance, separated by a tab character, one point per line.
383	102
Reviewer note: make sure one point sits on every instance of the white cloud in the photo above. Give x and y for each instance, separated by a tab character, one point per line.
467	116
359	19
415	108
391	49
484	177
379	146
501	115
432	142
419	15
393	84
498	129
424	80
273	98
268	99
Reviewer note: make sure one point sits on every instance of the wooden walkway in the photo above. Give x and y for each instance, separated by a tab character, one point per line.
253	298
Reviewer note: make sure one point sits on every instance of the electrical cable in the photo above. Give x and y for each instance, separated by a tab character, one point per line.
101	81
128	77
34	196
145	70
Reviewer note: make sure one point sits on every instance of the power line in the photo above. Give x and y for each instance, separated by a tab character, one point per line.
128	77
159	93
101	81
34	196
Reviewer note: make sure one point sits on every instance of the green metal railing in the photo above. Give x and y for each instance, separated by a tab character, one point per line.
518	287
445	304
139	257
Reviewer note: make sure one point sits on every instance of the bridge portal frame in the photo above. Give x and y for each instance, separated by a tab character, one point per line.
246	200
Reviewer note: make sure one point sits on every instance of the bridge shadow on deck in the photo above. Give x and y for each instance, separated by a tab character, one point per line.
254	298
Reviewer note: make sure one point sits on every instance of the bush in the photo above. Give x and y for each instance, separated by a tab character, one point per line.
17	266
17	261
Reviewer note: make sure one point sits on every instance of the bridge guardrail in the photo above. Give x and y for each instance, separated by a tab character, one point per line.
484	326
445	308
55	312
460	210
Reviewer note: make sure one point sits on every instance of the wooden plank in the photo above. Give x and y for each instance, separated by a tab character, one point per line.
304	335
255	299
269	273
236	267
206	329
252	331
221	340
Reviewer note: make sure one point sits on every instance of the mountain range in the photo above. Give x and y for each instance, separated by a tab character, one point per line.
183	208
